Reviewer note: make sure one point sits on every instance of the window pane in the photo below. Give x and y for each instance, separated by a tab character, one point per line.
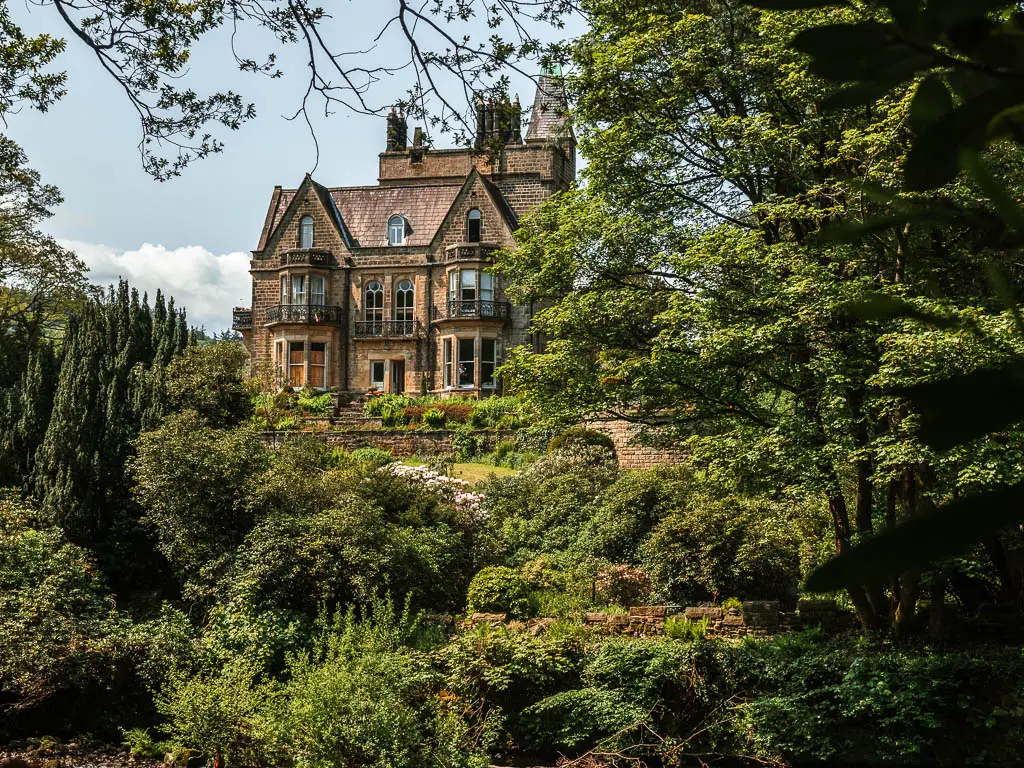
488	355
298	289
447	362
377	374
317	290
453	283
486	287
297	364
468	283
284	289
306	232
467	353
473	227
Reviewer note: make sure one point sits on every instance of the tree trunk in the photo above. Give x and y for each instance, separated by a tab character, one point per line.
937	604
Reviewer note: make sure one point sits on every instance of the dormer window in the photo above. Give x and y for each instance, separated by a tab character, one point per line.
396	230
474	226
306	232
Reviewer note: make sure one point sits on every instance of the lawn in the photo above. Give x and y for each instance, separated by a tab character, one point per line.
471	472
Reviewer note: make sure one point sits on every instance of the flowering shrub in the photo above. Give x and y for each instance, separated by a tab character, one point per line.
623	584
448	488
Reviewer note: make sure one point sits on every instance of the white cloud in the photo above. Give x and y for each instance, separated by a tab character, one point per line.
206	284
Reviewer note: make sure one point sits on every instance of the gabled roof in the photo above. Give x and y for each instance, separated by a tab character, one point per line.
492	191
285	199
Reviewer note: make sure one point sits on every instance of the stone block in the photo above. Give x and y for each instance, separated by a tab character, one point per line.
488	618
761	613
597	618
648	611
698	613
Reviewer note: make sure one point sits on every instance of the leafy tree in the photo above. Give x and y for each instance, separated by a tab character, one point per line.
194	485
104	396
696	277
210	380
62	639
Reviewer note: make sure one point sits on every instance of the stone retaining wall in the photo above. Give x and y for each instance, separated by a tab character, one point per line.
402	444
754	619
632	454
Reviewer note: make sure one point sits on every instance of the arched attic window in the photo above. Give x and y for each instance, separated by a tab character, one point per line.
474	226
306	232
397	228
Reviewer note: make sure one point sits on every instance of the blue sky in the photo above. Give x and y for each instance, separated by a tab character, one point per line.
191	235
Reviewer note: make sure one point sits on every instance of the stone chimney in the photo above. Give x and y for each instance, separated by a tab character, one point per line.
398	131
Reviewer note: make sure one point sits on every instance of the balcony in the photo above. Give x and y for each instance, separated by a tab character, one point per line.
241	318
472	310
306	257
307	314
388	329
468	252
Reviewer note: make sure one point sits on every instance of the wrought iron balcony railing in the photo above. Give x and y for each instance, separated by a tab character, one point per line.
241	318
388	329
489	310
306	257
312	314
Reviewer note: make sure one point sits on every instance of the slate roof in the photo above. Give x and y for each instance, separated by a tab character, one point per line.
362	213
548	117
366	210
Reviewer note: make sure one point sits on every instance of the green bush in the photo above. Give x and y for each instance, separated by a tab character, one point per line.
375	406
372	456
434	418
314	403
499	589
744	546
576	721
580	436
679	628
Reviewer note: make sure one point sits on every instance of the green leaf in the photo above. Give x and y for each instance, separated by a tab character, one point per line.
921	540
865	92
932	100
835	42
795	5
964	407
851	231
882	307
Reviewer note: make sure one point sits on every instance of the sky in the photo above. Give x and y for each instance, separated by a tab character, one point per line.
191	236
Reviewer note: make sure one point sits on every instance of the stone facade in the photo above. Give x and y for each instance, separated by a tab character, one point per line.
386	287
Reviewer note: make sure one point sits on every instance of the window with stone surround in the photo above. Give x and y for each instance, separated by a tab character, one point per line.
488	361
317	290
396	230
376	374
373	303
318	364
404	296
297	363
447	363
474	226
467	363
298	289
306	232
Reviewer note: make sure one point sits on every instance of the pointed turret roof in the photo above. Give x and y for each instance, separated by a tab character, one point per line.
548	119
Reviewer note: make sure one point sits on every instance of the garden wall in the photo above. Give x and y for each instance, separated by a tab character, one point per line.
401	444
631	453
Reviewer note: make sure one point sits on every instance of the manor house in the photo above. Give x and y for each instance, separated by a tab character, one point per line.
387	287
